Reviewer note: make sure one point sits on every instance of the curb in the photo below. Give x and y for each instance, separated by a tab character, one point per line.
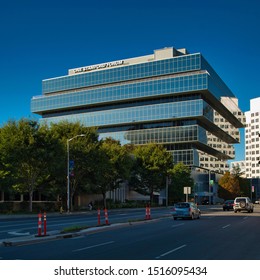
35	239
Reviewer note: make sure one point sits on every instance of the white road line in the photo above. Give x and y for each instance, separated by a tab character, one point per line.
177	225
169	252
93	246
226	226
245	218
19	233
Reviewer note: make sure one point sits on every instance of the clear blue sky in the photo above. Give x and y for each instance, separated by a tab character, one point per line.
44	38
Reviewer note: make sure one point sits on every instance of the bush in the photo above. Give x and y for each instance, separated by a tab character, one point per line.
127	204
23	206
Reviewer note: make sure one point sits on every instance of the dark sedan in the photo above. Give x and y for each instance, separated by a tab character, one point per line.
228	205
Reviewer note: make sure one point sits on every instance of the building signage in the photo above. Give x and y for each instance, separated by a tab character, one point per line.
98	66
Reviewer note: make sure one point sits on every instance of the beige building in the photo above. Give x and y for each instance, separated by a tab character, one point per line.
252	140
213	163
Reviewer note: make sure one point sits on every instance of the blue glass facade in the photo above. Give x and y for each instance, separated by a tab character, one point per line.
169	100
124	73
123	92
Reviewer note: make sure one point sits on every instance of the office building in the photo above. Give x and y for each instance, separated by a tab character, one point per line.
169	97
252	141
213	163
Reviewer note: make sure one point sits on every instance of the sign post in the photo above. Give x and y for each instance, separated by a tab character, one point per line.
187	191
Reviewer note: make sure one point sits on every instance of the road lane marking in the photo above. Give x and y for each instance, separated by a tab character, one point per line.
19	233
226	226
169	252
245	218
93	246
177	225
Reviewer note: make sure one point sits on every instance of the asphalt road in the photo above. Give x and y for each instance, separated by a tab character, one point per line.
25	225
217	235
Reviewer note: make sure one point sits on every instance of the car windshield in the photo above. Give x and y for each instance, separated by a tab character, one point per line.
182	205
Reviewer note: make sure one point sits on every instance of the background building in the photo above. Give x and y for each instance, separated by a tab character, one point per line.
252	141
213	163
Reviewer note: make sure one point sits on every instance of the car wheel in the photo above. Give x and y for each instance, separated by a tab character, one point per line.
174	218
235	211
242	204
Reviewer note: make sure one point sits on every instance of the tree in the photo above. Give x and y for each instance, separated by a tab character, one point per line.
26	154
229	186
243	184
180	177
82	151
113	167
236	171
152	164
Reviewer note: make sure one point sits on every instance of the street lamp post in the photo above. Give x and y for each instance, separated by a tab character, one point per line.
68	170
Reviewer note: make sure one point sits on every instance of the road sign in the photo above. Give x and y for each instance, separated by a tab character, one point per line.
187	190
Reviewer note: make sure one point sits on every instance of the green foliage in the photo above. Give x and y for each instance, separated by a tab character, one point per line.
34	157
180	177
245	186
151	166
82	150
10	207
74	229
23	146
113	165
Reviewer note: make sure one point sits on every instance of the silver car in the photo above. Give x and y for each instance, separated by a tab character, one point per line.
185	210
243	204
